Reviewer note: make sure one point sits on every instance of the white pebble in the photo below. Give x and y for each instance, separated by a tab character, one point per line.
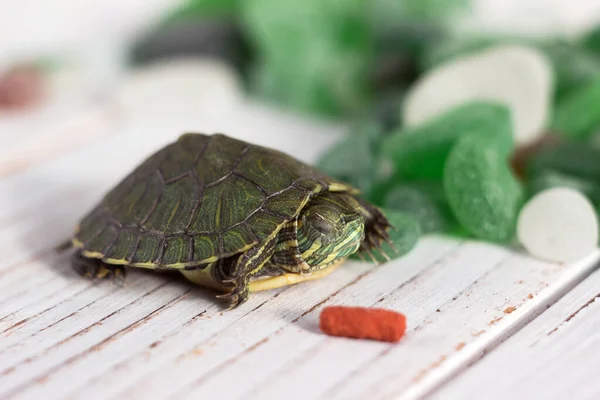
521	77
181	86
559	225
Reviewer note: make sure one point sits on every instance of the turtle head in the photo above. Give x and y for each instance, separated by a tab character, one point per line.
330	228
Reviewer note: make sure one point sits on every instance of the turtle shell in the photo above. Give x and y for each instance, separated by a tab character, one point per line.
197	200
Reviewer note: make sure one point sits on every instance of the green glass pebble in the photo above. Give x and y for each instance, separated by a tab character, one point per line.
550	179
381	187
398	48
448	48
387	12
577	116
482	191
577	159
204	9
313	55
352	159
385	110
573	65
418	205
421	152
591	40
404	236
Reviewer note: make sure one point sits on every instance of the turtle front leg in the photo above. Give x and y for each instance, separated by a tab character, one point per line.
95	269
247	265
376	230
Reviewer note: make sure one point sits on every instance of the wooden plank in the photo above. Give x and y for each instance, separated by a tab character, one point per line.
554	357
70	115
48	140
157	337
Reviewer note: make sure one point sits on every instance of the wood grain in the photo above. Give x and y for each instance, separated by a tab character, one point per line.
157	337
554	357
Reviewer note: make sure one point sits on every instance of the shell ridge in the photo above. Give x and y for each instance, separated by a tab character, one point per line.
201	152
109	247
191	250
198	204
154	203
178	177
96	234
134	248
240	176
161	252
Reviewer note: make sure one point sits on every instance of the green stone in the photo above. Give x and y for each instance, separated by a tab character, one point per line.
577	116
387	12
416	203
550	179
404	236
576	159
591	40
381	187
450	48
398	48
482	191
385	110
204	9
573	65
352	159
313	55
421	152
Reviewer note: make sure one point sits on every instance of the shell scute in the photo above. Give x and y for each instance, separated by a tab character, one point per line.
104	239
271	170
225	205
237	238
122	247
178	250
219	159
263	225
206	247
148	249
172	212
286	204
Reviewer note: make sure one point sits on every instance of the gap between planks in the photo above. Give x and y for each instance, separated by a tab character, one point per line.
73	367
554	357
116	341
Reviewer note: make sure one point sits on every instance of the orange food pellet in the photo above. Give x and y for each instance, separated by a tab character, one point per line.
363	323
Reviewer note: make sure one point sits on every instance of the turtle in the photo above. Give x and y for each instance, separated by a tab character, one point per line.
229	215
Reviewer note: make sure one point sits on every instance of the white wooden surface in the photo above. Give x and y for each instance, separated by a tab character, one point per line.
157	337
62	337
557	356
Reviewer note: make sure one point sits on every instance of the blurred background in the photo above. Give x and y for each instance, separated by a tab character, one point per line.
334	58
68	67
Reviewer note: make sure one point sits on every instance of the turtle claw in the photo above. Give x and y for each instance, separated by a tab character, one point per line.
391	244
118	276
237	296
232	300
233	303
384	255
228	298
371	255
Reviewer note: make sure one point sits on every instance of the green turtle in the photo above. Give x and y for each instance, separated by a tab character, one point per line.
229	215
